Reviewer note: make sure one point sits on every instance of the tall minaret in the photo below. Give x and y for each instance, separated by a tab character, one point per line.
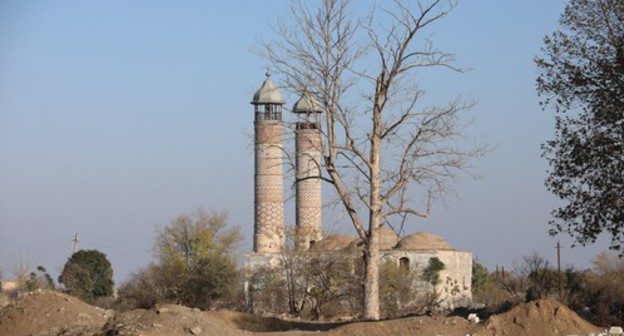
308	182
268	179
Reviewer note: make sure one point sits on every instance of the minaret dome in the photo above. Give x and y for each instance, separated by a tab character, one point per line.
268	101
307	104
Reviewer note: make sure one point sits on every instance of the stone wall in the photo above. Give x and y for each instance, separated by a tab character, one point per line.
455	287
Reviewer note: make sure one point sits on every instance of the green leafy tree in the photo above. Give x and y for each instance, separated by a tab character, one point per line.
195	257
88	274
582	78
480	276
211	278
195	264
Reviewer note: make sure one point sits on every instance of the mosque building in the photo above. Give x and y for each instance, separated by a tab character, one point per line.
410	252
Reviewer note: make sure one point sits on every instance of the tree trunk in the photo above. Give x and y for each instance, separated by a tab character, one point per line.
371	277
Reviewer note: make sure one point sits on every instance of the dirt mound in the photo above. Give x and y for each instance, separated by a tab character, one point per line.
50	313
53	314
542	317
423	325
252	322
168	320
180	320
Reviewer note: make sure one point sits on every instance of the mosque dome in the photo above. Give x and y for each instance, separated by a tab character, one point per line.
423	241
333	243
387	239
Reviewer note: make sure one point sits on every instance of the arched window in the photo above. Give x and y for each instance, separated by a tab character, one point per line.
404	264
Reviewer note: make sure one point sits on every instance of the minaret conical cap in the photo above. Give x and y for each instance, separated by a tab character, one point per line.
267	93
307	104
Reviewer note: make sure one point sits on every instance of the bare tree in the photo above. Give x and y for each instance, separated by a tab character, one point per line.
383	152
21	268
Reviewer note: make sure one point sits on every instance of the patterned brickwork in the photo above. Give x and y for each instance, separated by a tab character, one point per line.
310	217
308	188
268	132
269	230
269	188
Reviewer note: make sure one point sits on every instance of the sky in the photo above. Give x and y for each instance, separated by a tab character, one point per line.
116	116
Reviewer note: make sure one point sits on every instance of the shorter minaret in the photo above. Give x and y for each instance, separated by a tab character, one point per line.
268	178
308	165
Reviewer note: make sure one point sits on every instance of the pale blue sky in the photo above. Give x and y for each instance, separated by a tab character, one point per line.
115	116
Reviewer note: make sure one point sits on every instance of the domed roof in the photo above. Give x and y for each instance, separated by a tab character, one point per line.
307	104
423	241
267	93
333	243
387	239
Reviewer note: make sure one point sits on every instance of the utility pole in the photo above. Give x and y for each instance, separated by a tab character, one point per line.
559	270
75	241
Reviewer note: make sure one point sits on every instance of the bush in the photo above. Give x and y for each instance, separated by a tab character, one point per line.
40	280
211	279
335	284
195	266
431	273
140	291
397	290
480	277
88	275
603	290
311	285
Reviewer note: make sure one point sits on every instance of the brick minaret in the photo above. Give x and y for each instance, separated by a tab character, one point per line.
308	182
268	179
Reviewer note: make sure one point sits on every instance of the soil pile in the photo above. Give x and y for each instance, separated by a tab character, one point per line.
542	317
48	313
423	325
53	314
168	320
